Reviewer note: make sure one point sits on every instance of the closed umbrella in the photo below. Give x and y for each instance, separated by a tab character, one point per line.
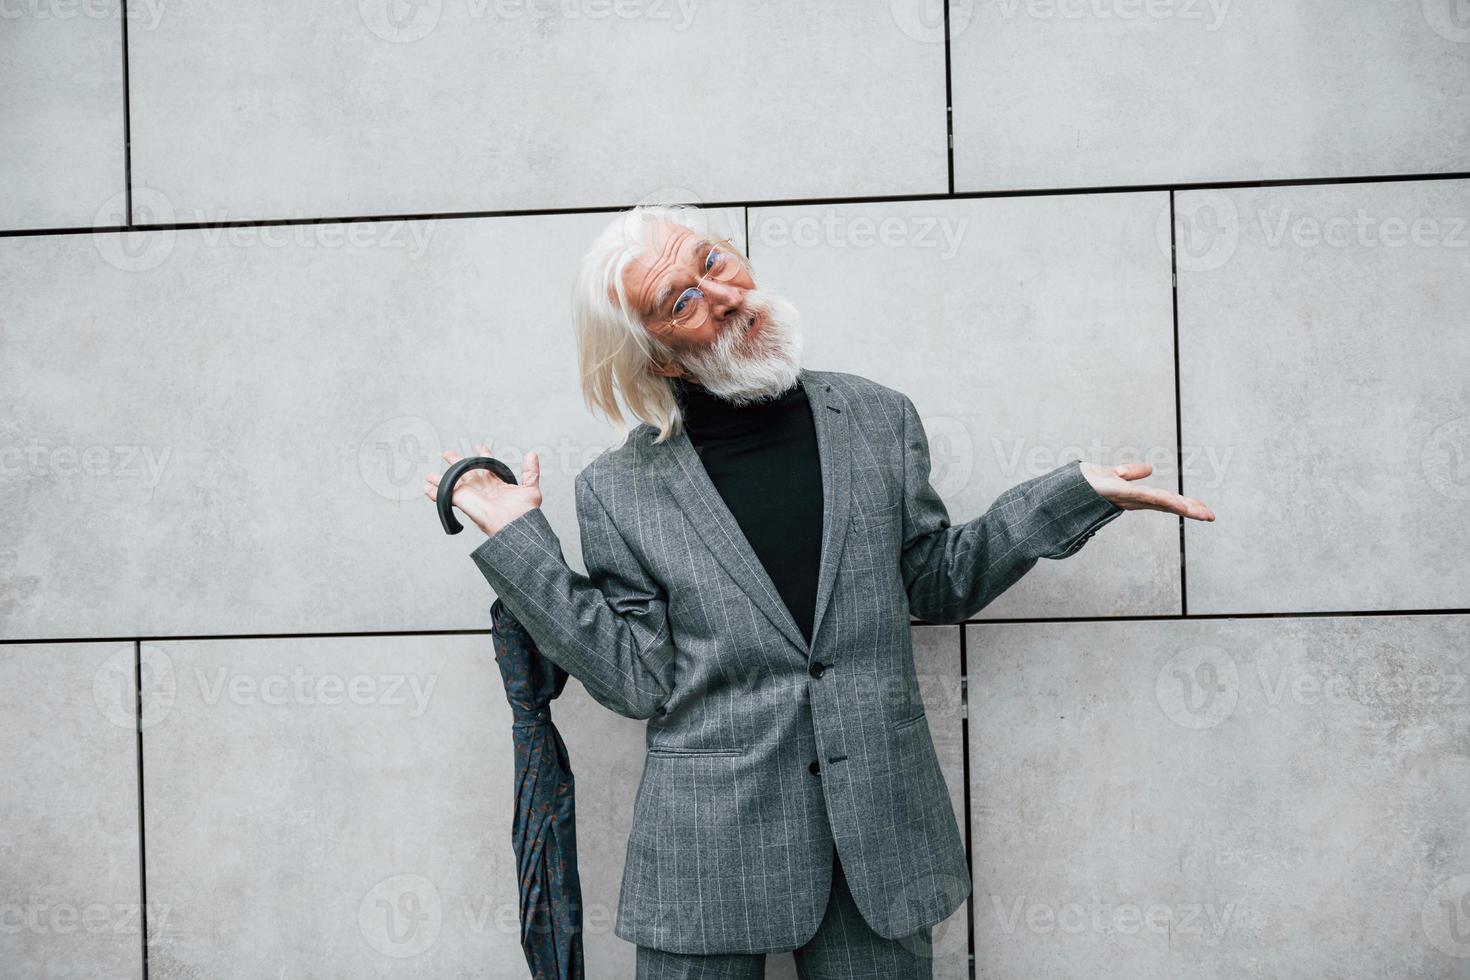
544	833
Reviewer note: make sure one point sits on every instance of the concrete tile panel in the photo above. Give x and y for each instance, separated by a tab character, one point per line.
378	107
61	114
70	892
1280	797
1323	361
1058	93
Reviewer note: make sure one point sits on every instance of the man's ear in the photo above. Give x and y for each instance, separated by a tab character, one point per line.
665	370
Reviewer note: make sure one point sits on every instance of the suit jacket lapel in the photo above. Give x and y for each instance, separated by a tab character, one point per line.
682	470
830	413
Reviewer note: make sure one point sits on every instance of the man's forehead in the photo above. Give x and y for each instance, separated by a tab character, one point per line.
667	249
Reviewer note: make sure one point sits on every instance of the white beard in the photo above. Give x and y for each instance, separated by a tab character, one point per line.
744	370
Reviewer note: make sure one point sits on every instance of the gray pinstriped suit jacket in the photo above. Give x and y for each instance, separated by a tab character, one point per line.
677	622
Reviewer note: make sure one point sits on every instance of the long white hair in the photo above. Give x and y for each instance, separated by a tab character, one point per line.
614	350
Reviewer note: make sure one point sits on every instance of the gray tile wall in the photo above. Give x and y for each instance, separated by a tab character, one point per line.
1221	798
70	864
61	115
261	263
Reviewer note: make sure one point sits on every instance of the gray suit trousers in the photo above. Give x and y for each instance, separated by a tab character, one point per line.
844	947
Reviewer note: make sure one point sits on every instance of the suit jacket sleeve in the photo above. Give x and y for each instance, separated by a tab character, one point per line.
608	628
951	573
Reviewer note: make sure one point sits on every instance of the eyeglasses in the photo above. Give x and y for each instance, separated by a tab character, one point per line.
723	263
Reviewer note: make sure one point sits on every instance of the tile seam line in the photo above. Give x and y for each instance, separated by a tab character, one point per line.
949	116
127	98
142	809
1178	406
1015	621
745	203
967	776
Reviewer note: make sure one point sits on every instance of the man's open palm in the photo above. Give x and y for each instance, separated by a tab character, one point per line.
485	498
1113	483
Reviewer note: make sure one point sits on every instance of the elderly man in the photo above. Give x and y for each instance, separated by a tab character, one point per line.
755	550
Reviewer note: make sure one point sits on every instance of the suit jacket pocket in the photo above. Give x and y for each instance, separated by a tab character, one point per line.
899	726
675	750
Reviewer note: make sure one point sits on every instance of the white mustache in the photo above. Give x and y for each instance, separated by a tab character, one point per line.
732	369
761	304
747	317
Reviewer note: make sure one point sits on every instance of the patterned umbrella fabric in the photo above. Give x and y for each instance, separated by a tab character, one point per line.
544	834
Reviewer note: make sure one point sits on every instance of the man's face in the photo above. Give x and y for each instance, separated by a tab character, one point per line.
675	262
746	343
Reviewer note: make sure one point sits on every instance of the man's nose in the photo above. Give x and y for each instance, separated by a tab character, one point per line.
724	298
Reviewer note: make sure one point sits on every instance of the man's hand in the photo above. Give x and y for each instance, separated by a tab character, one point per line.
1111	482
485	498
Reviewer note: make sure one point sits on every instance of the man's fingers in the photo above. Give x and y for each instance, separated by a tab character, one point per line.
431	486
531	470
1191	507
471	481
1199	510
1132	471
483	449
1163	500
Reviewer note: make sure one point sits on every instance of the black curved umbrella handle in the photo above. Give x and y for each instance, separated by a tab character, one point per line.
451	476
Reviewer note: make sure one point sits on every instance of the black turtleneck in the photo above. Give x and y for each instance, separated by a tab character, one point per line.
762	458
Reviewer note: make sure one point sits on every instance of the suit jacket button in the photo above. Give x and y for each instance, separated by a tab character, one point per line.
816	669
814	768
